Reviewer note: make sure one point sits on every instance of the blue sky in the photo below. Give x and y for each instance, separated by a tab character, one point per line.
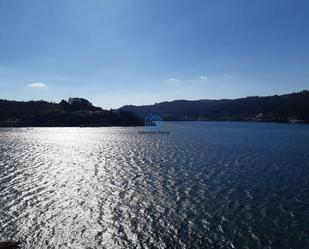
116	52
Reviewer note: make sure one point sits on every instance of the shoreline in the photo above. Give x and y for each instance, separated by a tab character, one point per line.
131	126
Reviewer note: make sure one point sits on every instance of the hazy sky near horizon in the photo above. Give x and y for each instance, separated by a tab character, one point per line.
116	52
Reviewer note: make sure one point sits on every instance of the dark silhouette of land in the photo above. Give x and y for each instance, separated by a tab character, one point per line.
292	108
79	112
74	112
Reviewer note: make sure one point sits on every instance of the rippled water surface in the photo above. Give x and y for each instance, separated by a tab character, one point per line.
205	185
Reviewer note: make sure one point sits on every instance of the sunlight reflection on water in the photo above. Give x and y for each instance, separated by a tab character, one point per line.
213	185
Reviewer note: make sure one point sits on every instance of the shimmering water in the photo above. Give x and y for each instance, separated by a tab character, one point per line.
206	185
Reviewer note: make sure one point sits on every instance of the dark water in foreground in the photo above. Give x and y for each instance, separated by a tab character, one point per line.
206	185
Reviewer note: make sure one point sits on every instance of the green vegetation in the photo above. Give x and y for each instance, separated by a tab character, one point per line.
75	112
285	108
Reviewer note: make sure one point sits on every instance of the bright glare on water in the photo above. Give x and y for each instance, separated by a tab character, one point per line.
205	185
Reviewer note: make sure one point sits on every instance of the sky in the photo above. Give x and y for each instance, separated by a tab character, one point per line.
118	52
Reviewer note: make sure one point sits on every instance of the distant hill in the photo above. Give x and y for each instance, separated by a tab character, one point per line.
284	108
74	112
